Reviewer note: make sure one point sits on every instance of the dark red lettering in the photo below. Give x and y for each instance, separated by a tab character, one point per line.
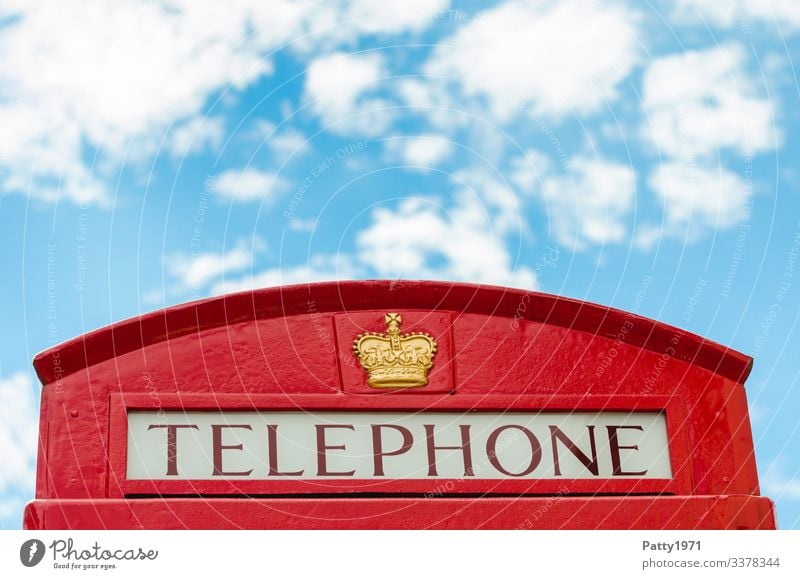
465	448
272	451
172	444
536	450
377	445
218	447
591	464
614	446
323	447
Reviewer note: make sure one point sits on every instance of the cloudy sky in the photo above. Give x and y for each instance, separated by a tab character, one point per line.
641	155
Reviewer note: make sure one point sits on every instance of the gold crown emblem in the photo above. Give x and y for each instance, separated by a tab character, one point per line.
395	360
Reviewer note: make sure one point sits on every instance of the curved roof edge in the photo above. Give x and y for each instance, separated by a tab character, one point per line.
154	327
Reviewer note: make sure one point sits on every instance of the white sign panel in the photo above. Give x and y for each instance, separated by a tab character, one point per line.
391	445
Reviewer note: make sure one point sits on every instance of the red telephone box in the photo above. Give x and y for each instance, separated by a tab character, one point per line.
380	404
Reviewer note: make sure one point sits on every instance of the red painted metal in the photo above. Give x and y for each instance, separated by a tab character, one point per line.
634	512
290	348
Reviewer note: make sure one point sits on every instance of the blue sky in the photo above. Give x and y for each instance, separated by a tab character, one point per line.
638	155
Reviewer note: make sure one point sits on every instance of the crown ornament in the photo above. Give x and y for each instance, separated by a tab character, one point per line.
395	360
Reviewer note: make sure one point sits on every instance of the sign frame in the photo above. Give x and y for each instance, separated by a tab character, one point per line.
672	407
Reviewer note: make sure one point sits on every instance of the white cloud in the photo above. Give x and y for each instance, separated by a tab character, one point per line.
282	141
778	485
335	87
107	73
19	431
715	12
431	98
41	154
116	75
728	13
590	203
422	240
699	102
464	241
153	298
302	225
196	271
242	185
288	142
495	193
343	22
785	488
418	238
529	170
421	151
196	135
699	197
558	56
647	235
12	507
318	268
390	17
